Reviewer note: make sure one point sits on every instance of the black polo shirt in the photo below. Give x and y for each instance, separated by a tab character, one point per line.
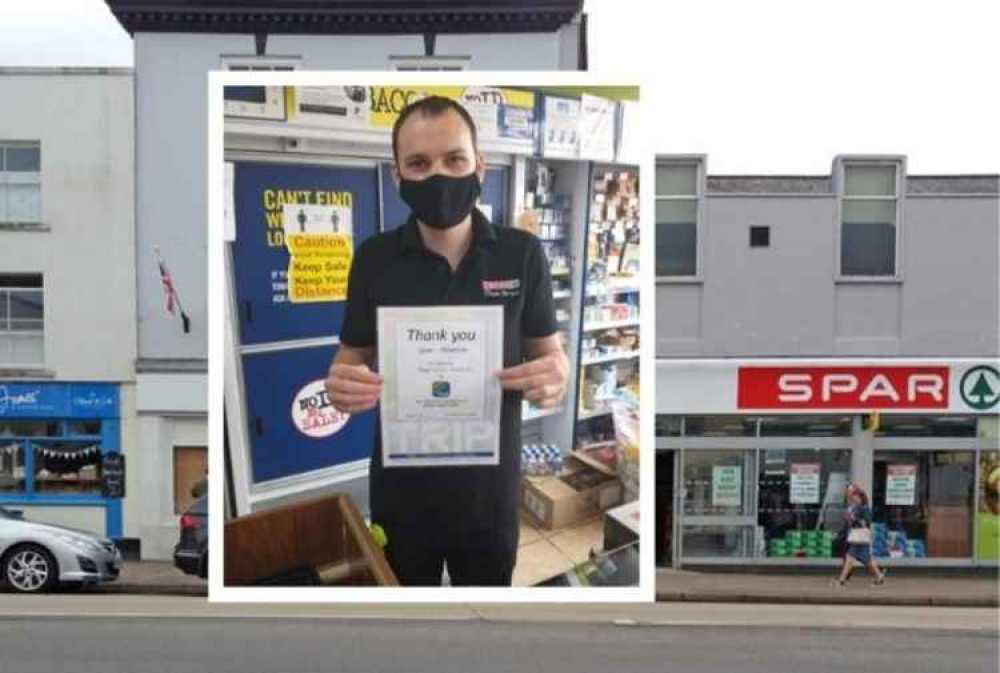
465	506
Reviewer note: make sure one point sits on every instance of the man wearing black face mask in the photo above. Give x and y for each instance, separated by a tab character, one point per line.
449	253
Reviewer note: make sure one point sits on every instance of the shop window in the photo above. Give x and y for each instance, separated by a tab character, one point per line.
668	426
717	542
801	505
22	320
715	482
989	427
719	426
92	428
67	468
923	503
805	426
678	192
869	214
901	425
988	507
11	467
190	469
10	428
20	183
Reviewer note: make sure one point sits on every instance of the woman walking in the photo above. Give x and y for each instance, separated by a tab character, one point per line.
859	538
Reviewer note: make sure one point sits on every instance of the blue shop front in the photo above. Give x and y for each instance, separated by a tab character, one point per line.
60	454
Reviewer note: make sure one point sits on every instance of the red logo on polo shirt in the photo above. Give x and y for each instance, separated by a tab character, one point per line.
509	287
868	387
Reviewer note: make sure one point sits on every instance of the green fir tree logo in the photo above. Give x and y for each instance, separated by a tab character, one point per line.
980	387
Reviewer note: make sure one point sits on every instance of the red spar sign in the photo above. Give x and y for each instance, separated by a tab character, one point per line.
867	387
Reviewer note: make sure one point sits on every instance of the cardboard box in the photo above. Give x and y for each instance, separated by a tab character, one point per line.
579	493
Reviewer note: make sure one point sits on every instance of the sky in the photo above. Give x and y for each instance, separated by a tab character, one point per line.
762	86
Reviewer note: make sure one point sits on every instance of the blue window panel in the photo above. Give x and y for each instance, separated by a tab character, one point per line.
278	448
260	258
395	211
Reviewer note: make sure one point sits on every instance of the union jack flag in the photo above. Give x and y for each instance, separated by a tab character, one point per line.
173	300
168	288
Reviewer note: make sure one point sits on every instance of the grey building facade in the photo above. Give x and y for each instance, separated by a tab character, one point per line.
817	330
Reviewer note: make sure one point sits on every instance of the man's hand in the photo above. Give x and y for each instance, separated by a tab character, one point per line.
353	388
543	380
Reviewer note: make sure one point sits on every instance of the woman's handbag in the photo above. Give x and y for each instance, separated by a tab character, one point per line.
859	536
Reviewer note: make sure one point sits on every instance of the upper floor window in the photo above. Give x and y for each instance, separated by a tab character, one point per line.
22	320
238	63
422	63
869	231
20	183
678	193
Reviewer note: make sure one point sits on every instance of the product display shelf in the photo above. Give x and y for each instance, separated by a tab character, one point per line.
595	326
611	357
609	353
555	209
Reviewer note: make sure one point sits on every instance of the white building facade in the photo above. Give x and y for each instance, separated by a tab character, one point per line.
67	300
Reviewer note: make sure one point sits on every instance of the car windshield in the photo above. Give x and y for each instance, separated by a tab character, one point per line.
7	514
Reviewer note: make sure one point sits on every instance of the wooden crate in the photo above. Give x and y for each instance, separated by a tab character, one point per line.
308	534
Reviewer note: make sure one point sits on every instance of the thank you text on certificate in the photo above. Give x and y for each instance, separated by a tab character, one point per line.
441	399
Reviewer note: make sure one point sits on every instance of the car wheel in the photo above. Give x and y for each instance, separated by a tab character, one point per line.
30	569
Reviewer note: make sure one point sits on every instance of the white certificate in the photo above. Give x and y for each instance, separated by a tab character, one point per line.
441	398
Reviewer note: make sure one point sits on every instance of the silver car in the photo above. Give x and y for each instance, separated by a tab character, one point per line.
38	557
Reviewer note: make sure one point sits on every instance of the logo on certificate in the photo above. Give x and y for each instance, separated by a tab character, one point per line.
441	389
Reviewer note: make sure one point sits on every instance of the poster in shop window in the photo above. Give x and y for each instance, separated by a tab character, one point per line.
803	483
727	486
441	399
900	485
320	251
597	128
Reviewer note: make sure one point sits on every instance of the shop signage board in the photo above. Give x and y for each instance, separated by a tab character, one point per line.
898	386
113	475
803	483
727	486
58	400
504	116
901	485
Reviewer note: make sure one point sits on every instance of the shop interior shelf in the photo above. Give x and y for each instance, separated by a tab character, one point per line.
611	357
612	289
533	414
611	324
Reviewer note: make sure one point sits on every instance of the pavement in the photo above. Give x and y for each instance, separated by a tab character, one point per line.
153	577
901	589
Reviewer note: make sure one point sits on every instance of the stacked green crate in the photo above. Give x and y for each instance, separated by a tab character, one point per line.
811	544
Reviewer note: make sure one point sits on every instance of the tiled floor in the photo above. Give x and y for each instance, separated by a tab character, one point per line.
542	554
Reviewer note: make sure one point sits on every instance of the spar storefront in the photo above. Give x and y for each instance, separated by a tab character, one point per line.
753	458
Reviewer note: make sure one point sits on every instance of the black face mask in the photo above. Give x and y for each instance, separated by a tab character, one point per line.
441	201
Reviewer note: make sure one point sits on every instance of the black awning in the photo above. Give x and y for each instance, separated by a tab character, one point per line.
348	17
